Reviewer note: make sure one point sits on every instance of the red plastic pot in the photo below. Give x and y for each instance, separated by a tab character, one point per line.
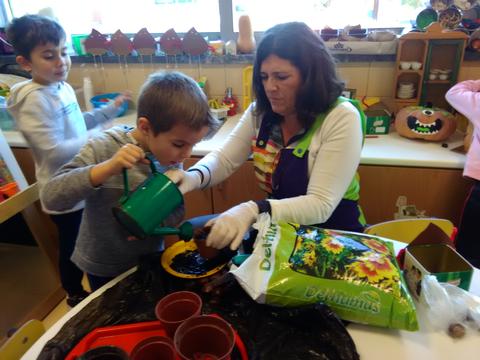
204	337
154	348
175	308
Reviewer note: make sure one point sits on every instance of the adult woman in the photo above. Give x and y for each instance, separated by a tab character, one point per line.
305	143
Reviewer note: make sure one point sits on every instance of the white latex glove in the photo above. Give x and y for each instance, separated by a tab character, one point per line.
185	180
231	226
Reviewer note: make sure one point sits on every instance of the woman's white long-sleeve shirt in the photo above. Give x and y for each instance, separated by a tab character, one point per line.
333	159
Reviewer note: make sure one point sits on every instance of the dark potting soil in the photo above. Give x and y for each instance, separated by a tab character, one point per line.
190	263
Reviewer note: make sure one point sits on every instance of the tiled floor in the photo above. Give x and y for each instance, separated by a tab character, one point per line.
26	278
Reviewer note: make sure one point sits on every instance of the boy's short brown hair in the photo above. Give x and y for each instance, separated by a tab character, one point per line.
170	98
27	32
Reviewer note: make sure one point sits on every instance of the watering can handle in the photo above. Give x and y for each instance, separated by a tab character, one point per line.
126	189
125	184
152	163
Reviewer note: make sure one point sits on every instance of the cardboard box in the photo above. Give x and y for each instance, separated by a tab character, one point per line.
440	260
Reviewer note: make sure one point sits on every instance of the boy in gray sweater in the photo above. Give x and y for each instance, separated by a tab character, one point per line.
173	115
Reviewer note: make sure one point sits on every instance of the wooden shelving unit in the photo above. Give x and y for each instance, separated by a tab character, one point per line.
436	48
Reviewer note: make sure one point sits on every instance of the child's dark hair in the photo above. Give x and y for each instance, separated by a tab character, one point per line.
170	98
27	32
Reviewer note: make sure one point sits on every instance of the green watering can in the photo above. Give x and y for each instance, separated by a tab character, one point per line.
142	210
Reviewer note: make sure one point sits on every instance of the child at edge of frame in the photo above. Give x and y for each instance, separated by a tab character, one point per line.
47	113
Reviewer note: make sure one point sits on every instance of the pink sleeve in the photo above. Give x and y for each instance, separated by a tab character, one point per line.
465	98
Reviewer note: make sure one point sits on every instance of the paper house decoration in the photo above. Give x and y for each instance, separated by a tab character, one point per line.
193	43
96	43
144	43
405	211
170	43
121	44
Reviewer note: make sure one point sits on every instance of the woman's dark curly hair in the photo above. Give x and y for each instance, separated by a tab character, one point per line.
297	43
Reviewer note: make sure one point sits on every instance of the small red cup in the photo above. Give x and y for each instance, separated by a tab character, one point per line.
175	308
204	337
155	347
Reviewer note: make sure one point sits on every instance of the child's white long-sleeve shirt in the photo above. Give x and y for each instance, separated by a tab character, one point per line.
49	118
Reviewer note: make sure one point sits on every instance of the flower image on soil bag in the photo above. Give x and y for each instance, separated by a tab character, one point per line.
355	274
327	254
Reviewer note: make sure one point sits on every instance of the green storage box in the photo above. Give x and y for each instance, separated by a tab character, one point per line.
77	42
378	122
439	260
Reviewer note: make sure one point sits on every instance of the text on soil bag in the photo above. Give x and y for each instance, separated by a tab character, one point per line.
367	301
268	239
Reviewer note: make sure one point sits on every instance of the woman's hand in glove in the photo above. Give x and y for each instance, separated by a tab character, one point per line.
185	180
230	227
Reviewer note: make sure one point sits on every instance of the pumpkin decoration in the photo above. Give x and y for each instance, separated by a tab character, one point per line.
246	40
431	124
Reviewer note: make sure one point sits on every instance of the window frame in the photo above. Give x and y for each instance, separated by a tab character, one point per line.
225	34
225	12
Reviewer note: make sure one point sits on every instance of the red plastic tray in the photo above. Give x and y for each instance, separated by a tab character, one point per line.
129	335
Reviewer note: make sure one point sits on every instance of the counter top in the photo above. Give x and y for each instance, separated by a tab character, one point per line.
386	150
395	150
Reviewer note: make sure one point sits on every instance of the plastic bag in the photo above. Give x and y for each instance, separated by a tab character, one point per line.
448	307
356	275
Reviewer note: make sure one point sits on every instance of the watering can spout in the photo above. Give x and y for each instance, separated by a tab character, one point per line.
184	232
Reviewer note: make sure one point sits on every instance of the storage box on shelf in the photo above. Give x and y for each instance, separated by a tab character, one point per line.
427	63
378	122
378	119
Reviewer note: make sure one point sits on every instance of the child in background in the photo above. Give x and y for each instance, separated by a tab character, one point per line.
46	112
172	116
465	98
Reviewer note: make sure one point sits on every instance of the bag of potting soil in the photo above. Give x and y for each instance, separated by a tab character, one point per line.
355	274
